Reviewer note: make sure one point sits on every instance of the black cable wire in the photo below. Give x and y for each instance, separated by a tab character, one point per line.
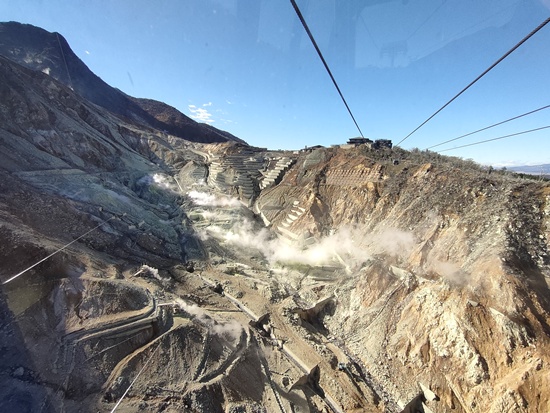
302	20
494	139
489	127
509	52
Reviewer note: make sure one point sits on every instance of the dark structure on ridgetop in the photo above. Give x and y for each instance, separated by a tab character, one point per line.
377	144
359	141
382	143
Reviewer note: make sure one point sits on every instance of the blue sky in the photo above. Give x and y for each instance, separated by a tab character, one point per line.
247	66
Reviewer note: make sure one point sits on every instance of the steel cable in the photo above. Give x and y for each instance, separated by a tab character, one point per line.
508	53
306	28
55	252
489	127
135	378
495	139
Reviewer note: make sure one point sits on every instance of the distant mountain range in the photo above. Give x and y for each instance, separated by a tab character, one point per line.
40	50
543	169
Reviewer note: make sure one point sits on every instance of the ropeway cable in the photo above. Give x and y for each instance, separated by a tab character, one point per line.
508	53
489	127
55	252
303	21
495	139
135	378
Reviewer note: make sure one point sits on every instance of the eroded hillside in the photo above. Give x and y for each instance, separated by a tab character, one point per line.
448	274
227	278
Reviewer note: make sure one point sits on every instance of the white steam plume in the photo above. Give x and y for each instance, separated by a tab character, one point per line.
349	246
205	199
230	330
451	272
159	180
393	241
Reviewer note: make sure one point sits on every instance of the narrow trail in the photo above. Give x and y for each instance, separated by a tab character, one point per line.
291	357
229	362
142	320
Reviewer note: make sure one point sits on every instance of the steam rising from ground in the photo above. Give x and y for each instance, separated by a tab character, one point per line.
159	180
231	330
450	272
204	199
347	246
394	241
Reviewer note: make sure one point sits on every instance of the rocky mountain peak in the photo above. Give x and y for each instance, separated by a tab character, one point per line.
40	50
146	272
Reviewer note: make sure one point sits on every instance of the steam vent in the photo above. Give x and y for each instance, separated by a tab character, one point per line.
150	266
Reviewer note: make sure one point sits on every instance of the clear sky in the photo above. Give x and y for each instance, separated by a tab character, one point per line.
247	66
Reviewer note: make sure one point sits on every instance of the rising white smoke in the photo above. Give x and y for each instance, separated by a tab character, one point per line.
244	234
451	272
393	241
159	180
205	199
202	234
345	246
230	330
349	246
151	272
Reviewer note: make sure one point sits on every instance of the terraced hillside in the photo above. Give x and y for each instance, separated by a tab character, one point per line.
180	276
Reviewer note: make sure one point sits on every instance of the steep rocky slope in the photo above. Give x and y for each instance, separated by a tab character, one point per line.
50	53
451	286
226	278
85	158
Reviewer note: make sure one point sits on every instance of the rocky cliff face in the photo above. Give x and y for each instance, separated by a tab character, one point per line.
450	290
50	53
224	278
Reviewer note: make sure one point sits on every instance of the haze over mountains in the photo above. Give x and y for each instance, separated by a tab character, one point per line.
543	169
179	275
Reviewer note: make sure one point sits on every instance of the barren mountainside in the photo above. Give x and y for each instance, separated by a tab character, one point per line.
146	272
40	50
